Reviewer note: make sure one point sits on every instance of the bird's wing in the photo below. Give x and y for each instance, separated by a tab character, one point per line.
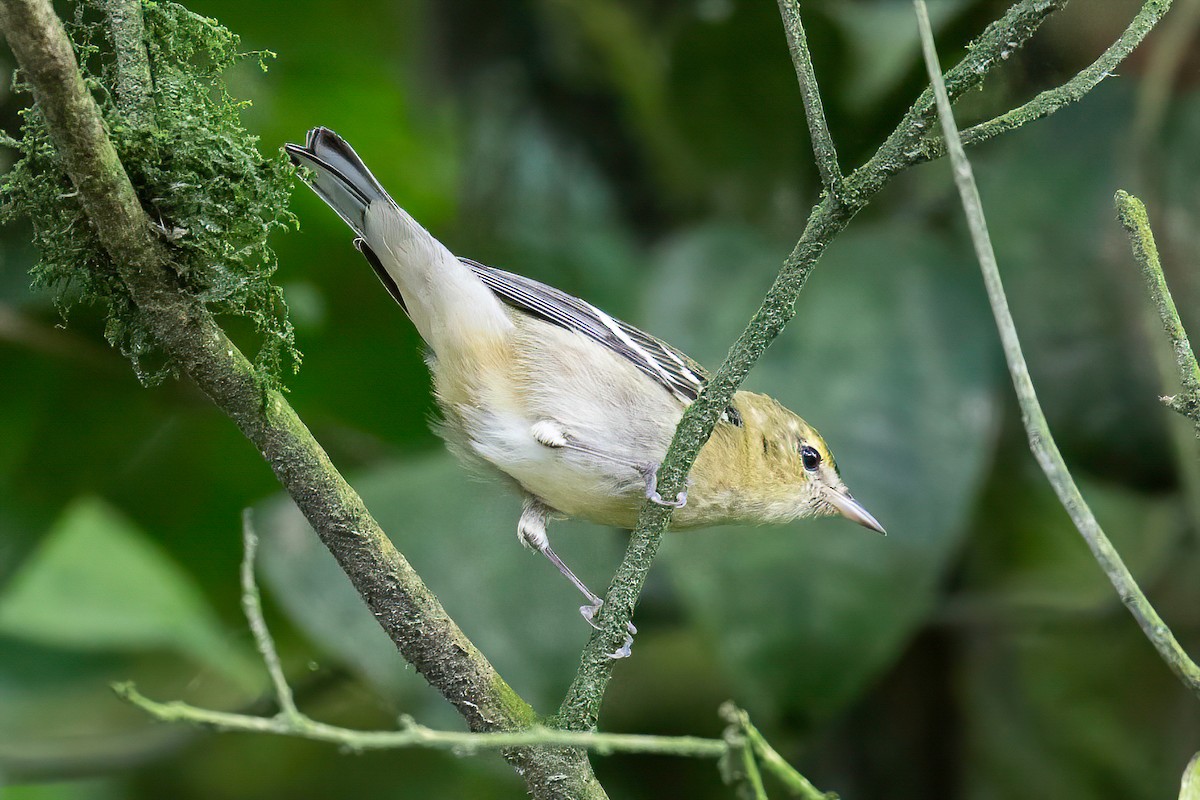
659	361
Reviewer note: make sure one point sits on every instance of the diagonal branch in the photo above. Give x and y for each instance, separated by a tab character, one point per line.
1041	442
580	708
400	601
1073	90
818	128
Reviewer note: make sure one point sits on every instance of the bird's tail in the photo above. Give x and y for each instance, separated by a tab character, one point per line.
451	308
339	176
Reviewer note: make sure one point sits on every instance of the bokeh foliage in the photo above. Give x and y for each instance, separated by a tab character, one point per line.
977	652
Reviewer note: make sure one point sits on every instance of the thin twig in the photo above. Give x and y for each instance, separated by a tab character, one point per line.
411	734
913	142
1132	214
1162	71
795	783
252	606
1041	442
1052	100
824	151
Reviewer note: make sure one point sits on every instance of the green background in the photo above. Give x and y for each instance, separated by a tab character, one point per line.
650	157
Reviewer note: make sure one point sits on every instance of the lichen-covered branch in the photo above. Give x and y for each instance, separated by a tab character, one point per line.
824	150
1041	442
581	707
1132	214
395	594
913	141
1052	100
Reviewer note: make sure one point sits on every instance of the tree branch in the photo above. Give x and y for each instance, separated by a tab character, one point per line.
824	151
1052	100
741	741
581	707
1132	214
1041	442
135	88
395	594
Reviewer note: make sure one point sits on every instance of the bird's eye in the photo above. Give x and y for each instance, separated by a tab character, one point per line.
809	457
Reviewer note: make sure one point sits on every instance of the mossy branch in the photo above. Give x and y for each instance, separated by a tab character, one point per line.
1132	214
904	147
1041	441
395	594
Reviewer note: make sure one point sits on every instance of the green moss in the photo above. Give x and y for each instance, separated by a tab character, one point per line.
213	197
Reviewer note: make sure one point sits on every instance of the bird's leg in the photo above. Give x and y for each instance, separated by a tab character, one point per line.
531	530
650	473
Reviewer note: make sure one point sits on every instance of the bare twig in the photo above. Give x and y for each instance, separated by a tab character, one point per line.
1041	442
252	606
744	743
768	757
410	734
824	151
1132	214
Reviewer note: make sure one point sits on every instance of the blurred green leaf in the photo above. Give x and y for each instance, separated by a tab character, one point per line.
98	583
1030	555
461	536
1040	706
890	356
884	46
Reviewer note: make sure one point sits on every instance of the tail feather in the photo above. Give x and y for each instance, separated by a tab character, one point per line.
452	309
340	177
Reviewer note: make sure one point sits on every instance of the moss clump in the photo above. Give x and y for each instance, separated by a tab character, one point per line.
214	198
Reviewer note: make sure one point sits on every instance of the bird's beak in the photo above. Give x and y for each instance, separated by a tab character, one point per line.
851	509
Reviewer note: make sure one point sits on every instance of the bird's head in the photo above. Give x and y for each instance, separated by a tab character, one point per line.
797	464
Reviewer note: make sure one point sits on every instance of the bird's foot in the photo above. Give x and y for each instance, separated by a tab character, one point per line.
650	473
625	650
589	612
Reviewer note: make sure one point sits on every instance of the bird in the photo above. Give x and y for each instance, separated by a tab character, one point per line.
571	406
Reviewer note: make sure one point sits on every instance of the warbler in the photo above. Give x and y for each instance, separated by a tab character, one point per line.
573	406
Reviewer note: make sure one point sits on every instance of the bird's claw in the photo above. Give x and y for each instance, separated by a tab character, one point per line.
625	650
589	612
650	472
